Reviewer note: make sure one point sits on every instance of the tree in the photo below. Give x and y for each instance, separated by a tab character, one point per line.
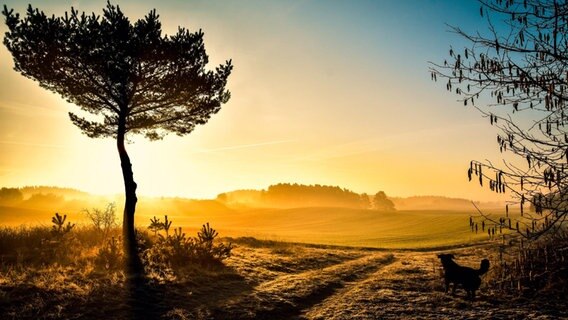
382	202
131	77
365	201
519	65
11	196
103	220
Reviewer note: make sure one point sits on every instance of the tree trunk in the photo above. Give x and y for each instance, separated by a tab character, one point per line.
132	260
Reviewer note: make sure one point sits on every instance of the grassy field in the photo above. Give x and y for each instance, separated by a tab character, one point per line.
302	263
336	226
268	280
352	227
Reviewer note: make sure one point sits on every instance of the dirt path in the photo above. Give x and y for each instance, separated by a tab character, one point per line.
288	295
376	285
395	291
410	288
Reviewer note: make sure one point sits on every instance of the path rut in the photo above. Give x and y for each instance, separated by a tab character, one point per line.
287	296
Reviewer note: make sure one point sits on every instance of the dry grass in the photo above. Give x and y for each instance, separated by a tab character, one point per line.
261	280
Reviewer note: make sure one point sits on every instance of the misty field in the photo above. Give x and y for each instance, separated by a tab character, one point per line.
352	227
320	225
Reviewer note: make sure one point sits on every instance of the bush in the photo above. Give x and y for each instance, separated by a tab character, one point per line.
176	250
59	247
64	243
109	256
206	250
103	220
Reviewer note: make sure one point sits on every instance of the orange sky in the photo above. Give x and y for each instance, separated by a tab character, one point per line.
320	94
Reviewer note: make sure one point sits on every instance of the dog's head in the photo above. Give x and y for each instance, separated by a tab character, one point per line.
446	257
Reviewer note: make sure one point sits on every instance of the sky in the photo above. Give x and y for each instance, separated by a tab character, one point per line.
323	91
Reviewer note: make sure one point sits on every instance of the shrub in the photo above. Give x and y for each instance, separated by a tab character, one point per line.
59	229
103	220
109	256
59	247
155	225
176	250
206	250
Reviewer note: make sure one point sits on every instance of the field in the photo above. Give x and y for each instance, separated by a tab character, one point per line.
366	228
269	280
302	263
318	225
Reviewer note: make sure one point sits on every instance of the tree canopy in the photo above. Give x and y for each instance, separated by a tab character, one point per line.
382	202
113	68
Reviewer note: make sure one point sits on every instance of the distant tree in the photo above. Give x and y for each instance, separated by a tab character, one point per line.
515	73
11	195
365	201
382	202
222	197
131	77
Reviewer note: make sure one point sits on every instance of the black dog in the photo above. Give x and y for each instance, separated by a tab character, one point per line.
467	277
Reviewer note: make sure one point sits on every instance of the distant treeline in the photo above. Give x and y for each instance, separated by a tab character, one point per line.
38	204
46	197
287	195
439	202
67	192
11	195
282	195
39	192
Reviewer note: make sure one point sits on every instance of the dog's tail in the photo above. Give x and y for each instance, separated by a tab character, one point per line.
484	267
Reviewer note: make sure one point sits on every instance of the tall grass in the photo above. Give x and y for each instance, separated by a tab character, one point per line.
37	245
93	248
22	245
537	266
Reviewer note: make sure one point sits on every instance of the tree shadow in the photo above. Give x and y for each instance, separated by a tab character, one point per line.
102	296
142	299
198	291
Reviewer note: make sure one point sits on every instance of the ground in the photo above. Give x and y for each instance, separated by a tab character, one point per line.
270	280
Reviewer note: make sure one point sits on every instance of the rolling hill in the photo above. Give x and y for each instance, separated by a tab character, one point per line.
417	228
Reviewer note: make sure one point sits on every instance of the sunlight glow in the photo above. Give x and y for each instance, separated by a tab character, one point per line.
312	102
